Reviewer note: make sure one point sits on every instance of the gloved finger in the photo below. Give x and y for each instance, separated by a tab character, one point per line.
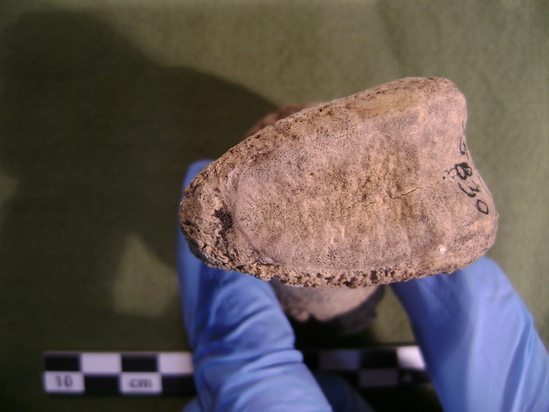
478	340
244	356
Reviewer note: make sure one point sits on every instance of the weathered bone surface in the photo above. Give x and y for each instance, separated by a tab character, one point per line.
374	188
350	310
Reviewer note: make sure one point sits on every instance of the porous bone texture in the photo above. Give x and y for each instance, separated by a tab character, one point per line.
373	188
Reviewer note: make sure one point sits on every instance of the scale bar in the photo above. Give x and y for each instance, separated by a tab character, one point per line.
171	373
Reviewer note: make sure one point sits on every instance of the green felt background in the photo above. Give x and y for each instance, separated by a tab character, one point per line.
103	105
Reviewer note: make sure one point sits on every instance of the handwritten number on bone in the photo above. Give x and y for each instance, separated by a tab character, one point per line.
470	191
463	170
482	207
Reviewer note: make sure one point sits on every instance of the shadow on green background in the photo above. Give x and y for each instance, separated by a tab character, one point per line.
97	138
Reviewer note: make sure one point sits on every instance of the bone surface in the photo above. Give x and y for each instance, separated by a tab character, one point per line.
373	188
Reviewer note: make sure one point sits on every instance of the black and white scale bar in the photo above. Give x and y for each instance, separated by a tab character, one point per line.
171	373
102	373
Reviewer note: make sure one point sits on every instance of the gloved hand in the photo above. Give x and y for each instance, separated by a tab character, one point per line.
478	340
244	356
476	335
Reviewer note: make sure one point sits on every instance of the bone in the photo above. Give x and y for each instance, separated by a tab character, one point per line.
370	189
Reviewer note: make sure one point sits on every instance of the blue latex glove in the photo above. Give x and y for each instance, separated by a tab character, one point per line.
478	340
244	356
477	337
